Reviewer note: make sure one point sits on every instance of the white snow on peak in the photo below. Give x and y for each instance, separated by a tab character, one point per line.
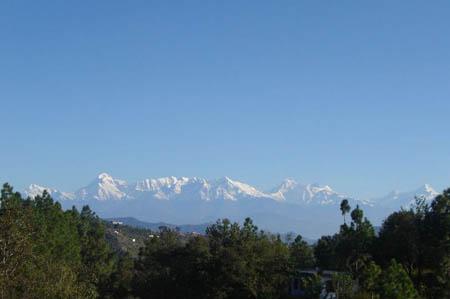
288	184
168	187
36	190
430	191
190	199
103	188
397	199
294	192
196	188
104	176
229	189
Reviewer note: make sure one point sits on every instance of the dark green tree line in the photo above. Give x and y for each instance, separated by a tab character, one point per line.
232	261
46	252
408	259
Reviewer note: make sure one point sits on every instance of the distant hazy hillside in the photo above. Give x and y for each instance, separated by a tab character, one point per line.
186	228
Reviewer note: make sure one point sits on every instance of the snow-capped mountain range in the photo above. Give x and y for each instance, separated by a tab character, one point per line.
105	187
311	209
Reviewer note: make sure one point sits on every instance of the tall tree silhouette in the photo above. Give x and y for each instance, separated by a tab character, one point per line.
345	208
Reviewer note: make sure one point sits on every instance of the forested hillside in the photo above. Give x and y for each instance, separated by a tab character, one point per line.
46	252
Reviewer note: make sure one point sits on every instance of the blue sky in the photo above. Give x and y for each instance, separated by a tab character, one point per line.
354	94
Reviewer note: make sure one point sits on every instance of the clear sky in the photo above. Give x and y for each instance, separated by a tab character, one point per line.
354	94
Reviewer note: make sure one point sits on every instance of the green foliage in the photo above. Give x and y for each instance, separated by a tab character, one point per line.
345	208
16	253
437	237
396	284
370	277
399	238
343	285
120	282
231	262
354	243
56	250
312	286
97	256
46	252
246	263
325	252
302	255
168	268
419	239
357	215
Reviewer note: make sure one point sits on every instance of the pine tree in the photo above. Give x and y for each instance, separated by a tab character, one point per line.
16	254
396	284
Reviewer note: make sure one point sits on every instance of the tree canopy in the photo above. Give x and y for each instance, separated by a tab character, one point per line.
46	252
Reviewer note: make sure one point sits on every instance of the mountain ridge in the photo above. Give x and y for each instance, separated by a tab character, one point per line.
291	206
105	187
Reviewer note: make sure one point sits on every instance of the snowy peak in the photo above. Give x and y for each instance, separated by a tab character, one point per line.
105	179
169	187
104	187
286	190
286	185
196	188
397	199
293	192
228	189
104	176
35	190
310	209
427	190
